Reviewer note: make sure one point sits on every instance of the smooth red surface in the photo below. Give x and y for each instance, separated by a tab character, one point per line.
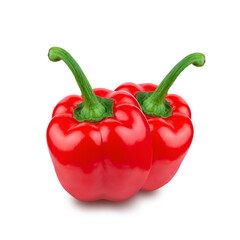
171	137
110	159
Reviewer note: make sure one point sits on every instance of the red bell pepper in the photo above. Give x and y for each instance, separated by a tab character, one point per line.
169	118
100	142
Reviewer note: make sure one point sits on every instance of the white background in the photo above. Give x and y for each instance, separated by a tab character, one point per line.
115	42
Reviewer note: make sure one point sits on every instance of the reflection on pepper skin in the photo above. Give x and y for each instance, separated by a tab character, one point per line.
110	159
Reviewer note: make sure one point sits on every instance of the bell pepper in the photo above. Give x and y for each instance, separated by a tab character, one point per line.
169	118
100	142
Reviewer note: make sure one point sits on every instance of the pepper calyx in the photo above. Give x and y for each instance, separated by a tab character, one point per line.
162	109
96	114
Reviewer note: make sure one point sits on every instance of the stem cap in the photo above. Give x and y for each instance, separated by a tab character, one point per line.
151	109
96	114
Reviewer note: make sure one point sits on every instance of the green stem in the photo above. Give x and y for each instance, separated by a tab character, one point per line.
155	103
91	109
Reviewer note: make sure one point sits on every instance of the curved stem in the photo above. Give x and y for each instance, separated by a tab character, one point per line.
197	59
56	54
155	103
92	108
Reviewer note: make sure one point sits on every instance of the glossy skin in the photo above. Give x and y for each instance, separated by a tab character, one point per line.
110	159
171	137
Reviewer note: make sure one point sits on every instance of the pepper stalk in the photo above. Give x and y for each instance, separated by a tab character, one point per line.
154	103
93	108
